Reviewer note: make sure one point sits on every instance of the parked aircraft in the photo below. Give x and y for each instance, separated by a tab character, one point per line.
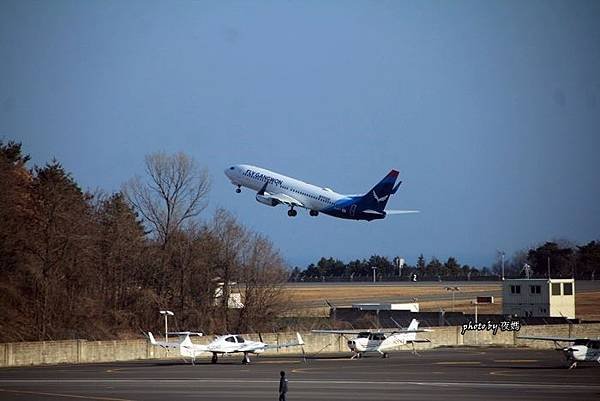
580	350
377	341
227	344
274	189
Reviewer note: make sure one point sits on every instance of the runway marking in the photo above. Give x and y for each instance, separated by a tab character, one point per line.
276	362
516	360
64	395
459	363
482	384
502	373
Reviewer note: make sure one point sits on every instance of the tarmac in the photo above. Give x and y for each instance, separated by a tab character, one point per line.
485	374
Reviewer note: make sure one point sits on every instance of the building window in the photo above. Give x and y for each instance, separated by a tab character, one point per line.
515	289
535	289
568	289
555	288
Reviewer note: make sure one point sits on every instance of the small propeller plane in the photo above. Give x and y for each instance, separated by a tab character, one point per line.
376	341
580	350
224	345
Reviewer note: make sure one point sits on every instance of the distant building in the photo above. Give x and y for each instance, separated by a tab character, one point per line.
539	297
234	300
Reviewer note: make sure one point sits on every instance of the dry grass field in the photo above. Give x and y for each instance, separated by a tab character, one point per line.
310	299
345	295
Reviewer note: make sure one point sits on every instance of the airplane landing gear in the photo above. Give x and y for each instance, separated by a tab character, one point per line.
292	213
246	359
385	355
314	213
238	189
214	359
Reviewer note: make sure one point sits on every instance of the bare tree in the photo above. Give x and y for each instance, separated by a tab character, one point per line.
231	239
262	278
174	191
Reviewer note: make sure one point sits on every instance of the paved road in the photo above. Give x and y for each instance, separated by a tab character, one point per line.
484	374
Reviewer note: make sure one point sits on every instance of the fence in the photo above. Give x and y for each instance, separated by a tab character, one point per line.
82	351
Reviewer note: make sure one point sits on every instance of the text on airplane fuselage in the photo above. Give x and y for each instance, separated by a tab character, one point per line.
263	177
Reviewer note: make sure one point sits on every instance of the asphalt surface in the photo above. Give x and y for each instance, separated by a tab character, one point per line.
484	374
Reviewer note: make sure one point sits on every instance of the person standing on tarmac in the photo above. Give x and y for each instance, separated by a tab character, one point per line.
283	386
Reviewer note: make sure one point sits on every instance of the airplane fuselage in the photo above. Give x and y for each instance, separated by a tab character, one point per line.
378	342
584	351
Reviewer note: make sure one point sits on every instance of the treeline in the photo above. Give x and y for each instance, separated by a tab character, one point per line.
386	269
560	259
79	265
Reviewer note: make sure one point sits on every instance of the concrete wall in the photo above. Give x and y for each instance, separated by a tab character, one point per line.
81	351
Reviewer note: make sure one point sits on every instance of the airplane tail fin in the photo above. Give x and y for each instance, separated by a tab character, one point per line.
378	196
300	340
414	325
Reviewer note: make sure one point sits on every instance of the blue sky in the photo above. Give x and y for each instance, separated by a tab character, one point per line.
490	110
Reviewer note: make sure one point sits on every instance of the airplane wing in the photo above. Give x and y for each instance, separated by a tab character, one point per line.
402	331
344	331
542	338
286	199
296	343
273	199
193	350
185	333
388	331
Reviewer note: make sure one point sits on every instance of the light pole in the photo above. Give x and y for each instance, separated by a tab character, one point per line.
502	258
166	313
374	274
453	290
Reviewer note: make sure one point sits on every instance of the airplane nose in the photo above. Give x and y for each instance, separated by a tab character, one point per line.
229	171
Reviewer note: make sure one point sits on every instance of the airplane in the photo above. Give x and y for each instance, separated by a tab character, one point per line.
581	349
376	341
227	344
274	189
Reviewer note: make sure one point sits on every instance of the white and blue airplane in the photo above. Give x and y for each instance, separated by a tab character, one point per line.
274	189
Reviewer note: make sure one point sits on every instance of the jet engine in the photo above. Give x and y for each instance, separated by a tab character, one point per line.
267	200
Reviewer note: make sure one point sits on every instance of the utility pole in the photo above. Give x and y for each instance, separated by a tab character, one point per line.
374	273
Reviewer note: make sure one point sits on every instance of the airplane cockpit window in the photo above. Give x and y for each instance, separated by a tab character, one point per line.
231	168
239	339
364	335
581	342
230	339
